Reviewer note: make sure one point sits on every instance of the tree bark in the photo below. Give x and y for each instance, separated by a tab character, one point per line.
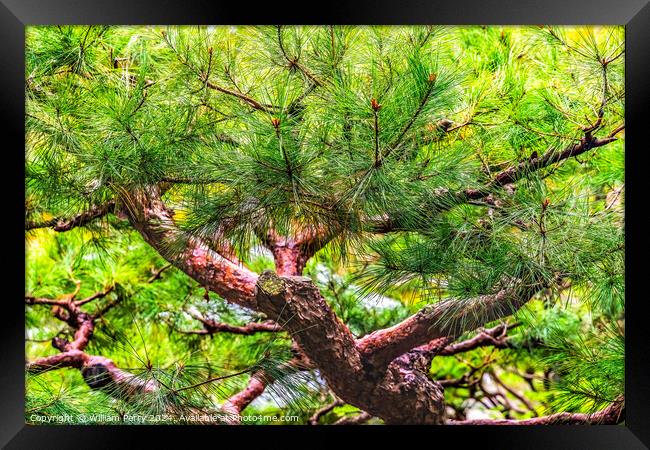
296	304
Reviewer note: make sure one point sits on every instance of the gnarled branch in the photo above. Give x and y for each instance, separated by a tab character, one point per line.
149	215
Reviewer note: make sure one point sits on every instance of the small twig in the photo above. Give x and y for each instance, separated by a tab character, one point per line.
324	410
157	273
95	296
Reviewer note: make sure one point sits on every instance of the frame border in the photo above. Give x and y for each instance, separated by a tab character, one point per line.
634	14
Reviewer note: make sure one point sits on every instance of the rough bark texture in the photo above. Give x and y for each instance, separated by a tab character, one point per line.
148	214
296	304
383	373
292	253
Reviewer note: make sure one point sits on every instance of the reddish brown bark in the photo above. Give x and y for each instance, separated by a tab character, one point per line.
239	401
258	383
148	214
98	372
612	414
69	311
72	358
212	327
448	318
297	305
377	373
291	254
493	337
360	373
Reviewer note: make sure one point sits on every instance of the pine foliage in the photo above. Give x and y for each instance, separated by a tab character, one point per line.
289	127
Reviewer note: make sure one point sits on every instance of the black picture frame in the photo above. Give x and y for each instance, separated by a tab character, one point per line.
634	14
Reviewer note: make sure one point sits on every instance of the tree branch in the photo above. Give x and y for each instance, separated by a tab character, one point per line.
313	420
356	420
448	318
98	372
612	414
95	296
298	306
443	200
156	274
212	327
258	383
552	156
518	395
494	337
149	216
293	62
67	224
248	100
416	114
291	254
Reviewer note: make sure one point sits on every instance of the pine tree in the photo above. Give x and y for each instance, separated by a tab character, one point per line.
349	224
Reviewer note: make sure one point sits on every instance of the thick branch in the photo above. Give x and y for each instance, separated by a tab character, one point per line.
298	306
74	359
448	318
148	215
98	372
236	404
292	253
